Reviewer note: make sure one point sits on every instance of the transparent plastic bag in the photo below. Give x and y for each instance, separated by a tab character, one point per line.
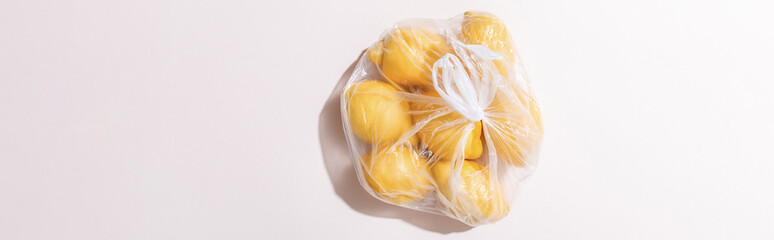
440	117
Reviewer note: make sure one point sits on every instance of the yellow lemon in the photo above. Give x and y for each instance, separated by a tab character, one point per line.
471	196
407	54
398	175
443	134
377	114
486	29
514	125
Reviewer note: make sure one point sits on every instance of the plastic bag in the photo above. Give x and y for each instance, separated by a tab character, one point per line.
439	117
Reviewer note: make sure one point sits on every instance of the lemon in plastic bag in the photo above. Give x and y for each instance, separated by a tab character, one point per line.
376	113
486	29
469	195
397	174
516	126
407	54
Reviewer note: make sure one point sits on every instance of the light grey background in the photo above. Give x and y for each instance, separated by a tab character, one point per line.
218	120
